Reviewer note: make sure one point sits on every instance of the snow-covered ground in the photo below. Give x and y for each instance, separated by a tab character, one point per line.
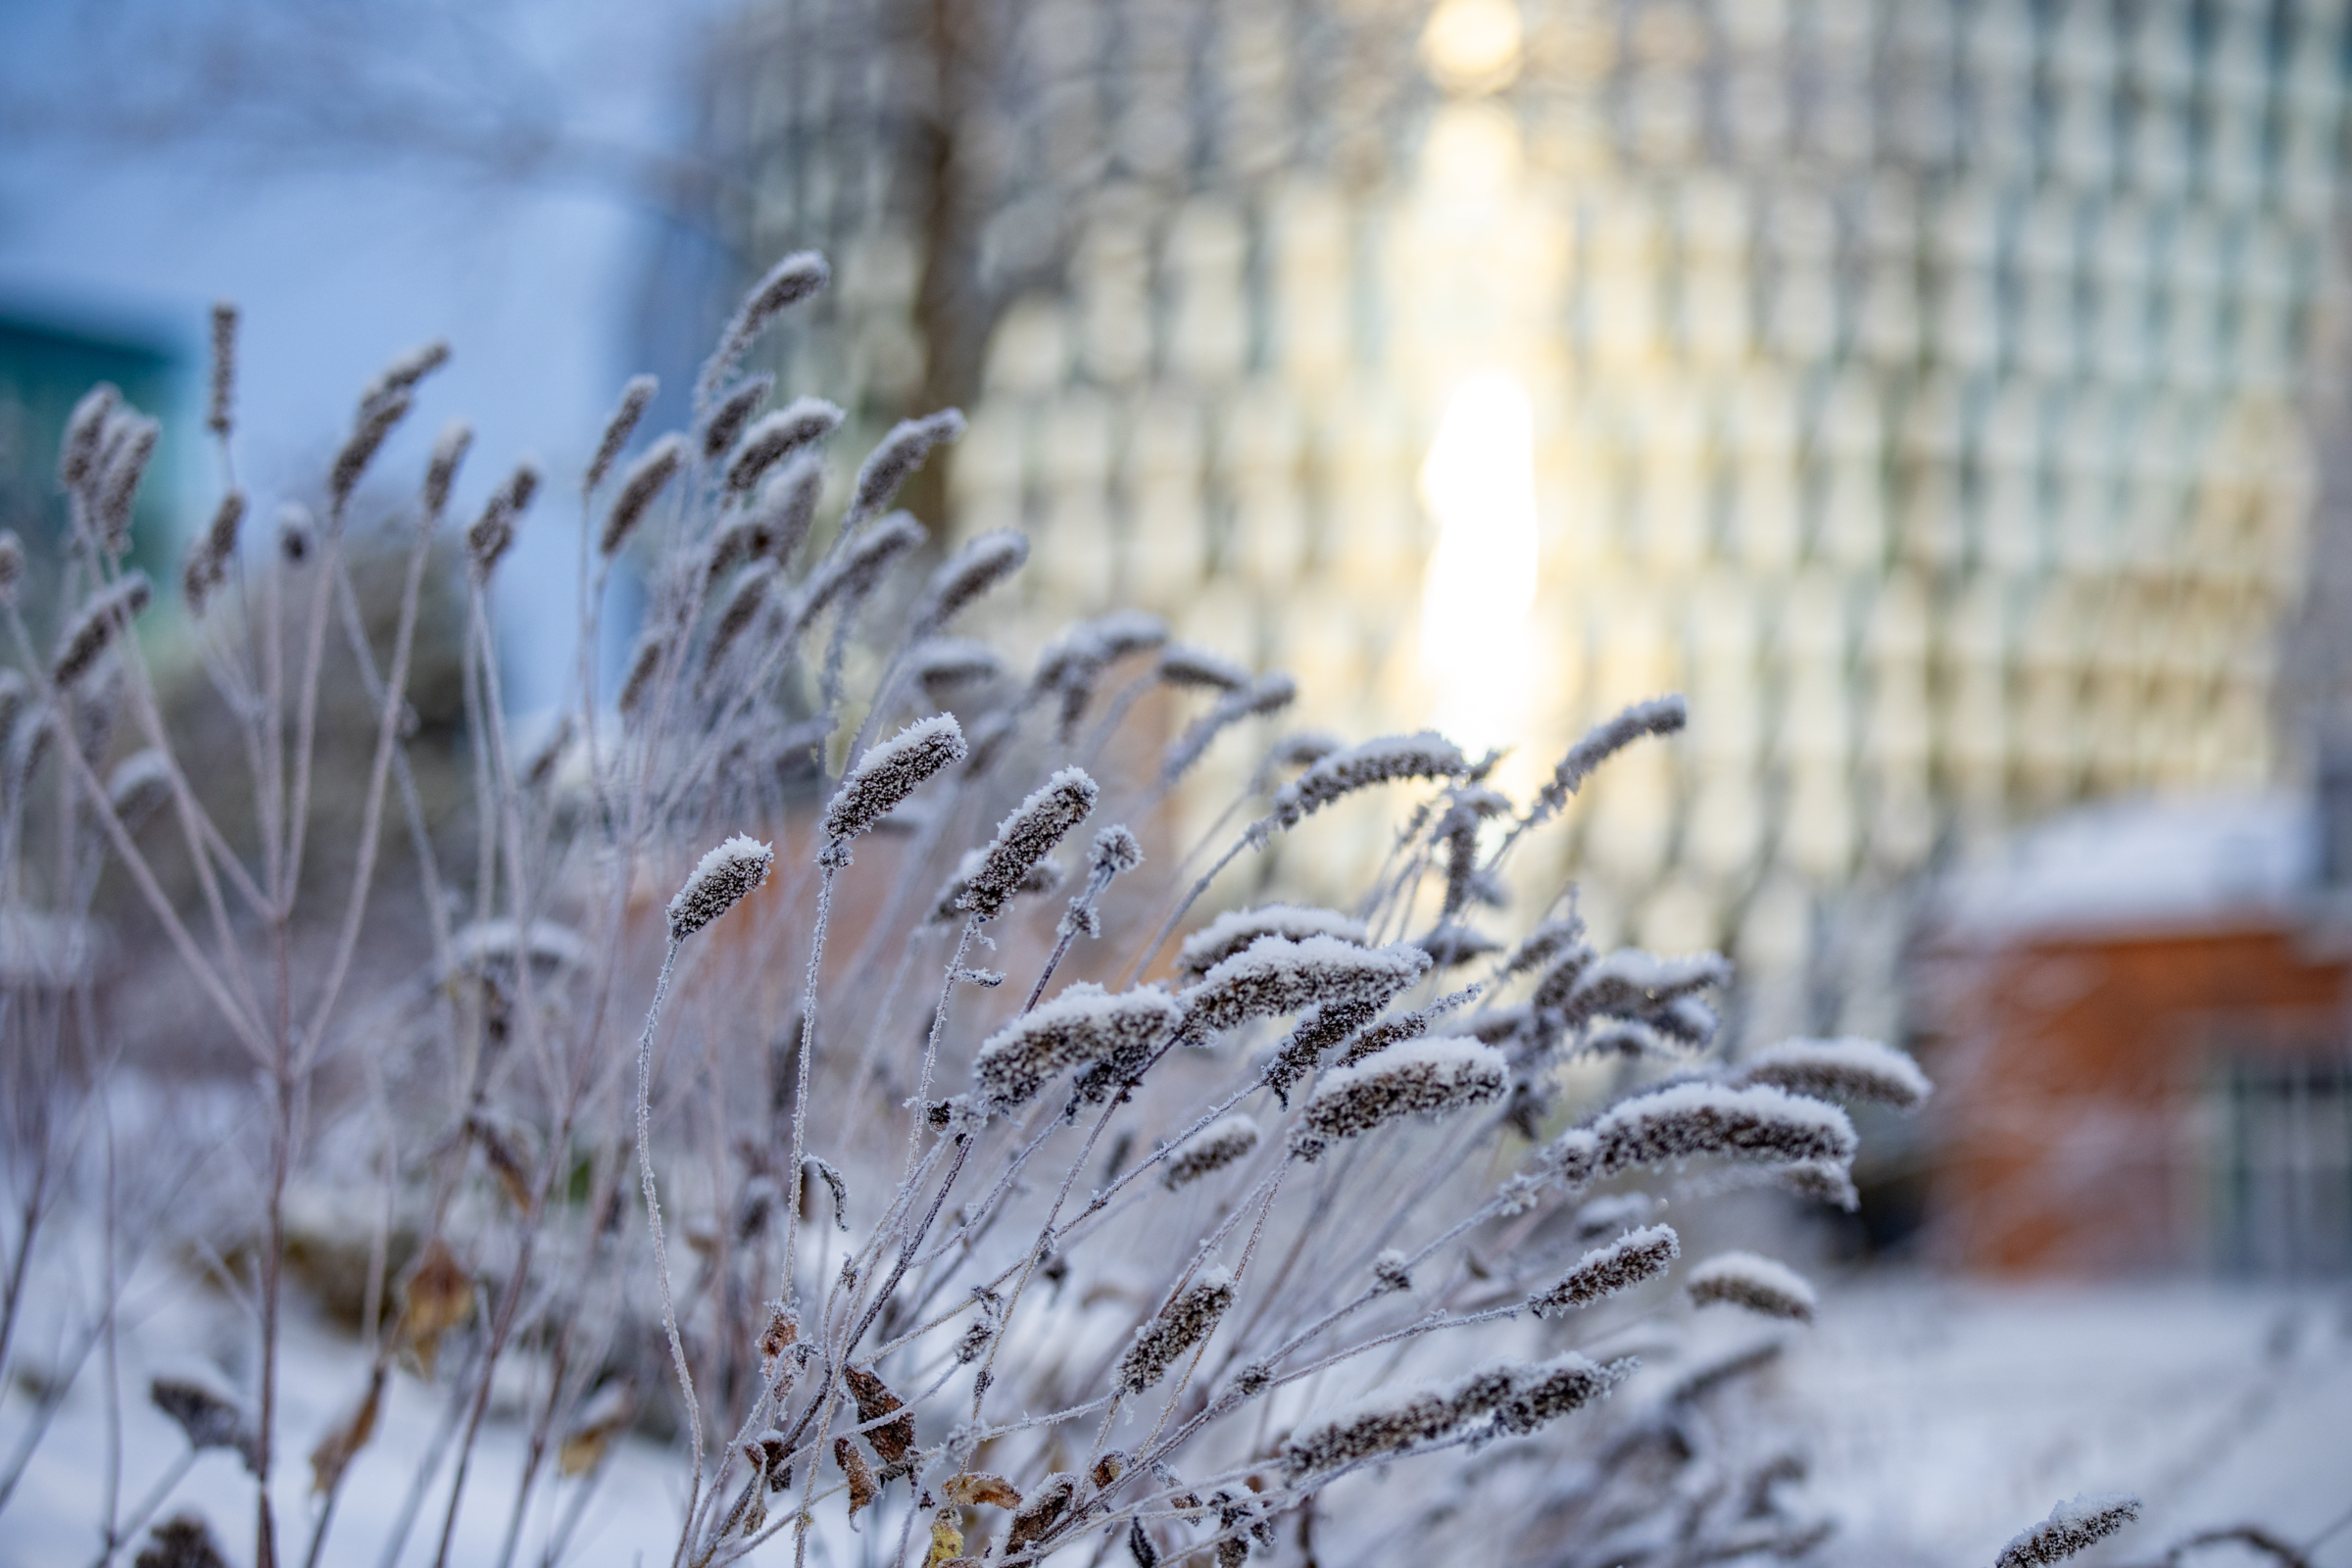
1943	1417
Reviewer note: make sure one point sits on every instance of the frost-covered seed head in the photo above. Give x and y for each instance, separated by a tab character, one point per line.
945	664
1824	1181
857	568
1379	1037
221	405
1124	632
1630	984
635	397
786	506
1043	877
1023	838
1546	942
207	565
441	471
119	484
1449	947
654	468
1116	852
1277	975
1687	1120
895	458
1084	1025
375	421
1661	715
964	576
102	619
1603	1272
404	372
1383	1423
773	437
1237	929
85	430
209	1416
1189	1319
139	783
1318	1030
725	421
1268	694
1845	1069
891	771
1184	666
1390	1271
1425	1078
2072	1527
1544	1392
791	280
492	535
1758	1284
1389	760
719	881
296	533
1211	1149
745	600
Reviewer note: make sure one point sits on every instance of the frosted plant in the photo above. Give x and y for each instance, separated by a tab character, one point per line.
1010	1234
2072	1527
1758	1284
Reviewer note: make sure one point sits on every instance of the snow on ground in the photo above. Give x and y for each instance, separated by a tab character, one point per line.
1943	1417
1947	1416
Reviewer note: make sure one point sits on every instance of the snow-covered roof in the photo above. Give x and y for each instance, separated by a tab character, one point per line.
2140	865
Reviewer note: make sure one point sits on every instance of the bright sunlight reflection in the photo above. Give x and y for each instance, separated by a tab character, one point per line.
1477	634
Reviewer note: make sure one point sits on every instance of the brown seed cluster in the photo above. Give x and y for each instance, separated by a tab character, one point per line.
1389	759
1211	1149
1189	1319
635	397
964	576
100	622
1084	1026
891	771
2072	1527
773	437
853	572
1024	837
645	480
1692	1119
1848	1069
895	458
1661	715
1757	1284
1427	1078
1277	975
1235	930
719	881
1636	1255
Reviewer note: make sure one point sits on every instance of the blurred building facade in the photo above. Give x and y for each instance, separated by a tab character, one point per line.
1920	386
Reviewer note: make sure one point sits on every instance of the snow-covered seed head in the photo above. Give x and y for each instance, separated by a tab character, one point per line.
1452	945
1628	983
1235	930
102	619
221	405
1824	1181
1318	1030
654	468
1845	1069
895	458
1268	694
207	1415
1549	1390
441	471
1189	1319
1661	715
941	666
1275	975
853	574
786	506
1546	943
1603	1272
1391	1271
890	772
635	397
1023	838
1123	632
1386	1422
745	600
85	430
1116	852
139	783
1426	755
1379	1037
2072	1527
1043	877
1692	1119
492	535
1182	665
376	420
791	280
719	881
296	533
1425	1078
1211	1149
404	372
1084	1026
1757	1284
725	421
981	565
773	437
126	464
207	565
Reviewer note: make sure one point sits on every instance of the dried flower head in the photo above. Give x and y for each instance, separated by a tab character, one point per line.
208	1414
1426	755
854	569
1023	837
890	772
1116	852
2072	1527
1043	877
223	389
1687	1121
401	376
1452	945
131	445
206	568
1318	1030
139	784
489	536
1084	1026
719	881
895	458
1847	1070
1605	1271
1661	715
183	1541
1213	1147
441	472
725	421
1544	1392
1628	984
1181	664
1426	1078
791	280
981	565
1758	1284
102	619
943	665
744	602
1235	930
773	437
635	397
1277	975
1375	1038
1268	694
296	533
646	476
1188	1320
86	433
376	417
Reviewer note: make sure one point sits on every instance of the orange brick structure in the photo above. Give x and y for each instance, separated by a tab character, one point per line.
2141	1053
